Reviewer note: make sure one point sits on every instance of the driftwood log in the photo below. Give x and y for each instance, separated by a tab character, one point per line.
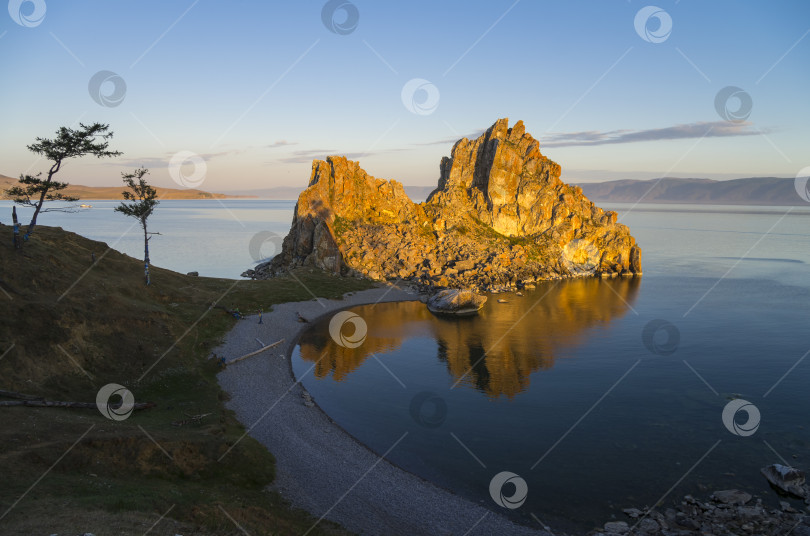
39	402
257	352
61	404
196	419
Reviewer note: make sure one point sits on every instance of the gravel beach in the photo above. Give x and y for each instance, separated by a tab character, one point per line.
320	467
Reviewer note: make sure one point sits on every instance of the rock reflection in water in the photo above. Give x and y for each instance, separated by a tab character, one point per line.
494	352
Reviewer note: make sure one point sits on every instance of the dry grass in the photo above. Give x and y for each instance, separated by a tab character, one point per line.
69	339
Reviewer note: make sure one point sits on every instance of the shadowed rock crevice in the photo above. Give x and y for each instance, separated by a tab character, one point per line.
500	218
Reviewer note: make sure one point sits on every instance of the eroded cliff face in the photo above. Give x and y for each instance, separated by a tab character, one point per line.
499	218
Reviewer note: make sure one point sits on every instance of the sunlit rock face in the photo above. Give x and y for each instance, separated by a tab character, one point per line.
495	352
500	217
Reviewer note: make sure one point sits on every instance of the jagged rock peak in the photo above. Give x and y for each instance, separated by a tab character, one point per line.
500	217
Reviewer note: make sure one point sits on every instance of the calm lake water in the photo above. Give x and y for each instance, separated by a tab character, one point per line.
212	237
557	386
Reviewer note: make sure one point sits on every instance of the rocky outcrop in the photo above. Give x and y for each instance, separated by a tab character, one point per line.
500	218
726	512
456	302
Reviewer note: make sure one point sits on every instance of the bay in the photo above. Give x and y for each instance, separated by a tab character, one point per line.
562	387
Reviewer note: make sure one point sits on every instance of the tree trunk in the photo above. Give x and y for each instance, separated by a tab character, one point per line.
51	173
34	217
145	251
16	227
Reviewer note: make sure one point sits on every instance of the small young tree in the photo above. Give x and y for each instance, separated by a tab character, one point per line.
143	200
33	190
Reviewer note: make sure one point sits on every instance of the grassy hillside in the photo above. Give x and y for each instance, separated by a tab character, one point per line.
69	327
92	193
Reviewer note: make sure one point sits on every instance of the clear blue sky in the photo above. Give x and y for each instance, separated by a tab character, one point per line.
259	89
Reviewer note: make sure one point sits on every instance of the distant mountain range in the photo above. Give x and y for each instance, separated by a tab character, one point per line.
749	191
92	193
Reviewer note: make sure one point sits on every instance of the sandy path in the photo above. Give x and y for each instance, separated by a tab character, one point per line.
320	467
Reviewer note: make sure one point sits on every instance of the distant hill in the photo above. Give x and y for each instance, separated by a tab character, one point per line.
92	193
749	191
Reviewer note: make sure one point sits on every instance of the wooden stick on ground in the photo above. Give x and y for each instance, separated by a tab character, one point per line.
59	404
260	350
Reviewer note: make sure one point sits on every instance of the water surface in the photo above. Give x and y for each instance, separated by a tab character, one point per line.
559	387
212	237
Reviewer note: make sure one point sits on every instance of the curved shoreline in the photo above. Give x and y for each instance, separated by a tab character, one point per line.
319	466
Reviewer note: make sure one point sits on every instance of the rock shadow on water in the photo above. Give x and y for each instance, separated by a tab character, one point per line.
495	352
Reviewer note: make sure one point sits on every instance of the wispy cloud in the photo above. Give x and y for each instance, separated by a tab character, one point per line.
280	143
709	129
149	162
156	162
453	139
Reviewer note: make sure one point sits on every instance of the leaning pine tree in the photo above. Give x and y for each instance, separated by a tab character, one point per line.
34	190
143	200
